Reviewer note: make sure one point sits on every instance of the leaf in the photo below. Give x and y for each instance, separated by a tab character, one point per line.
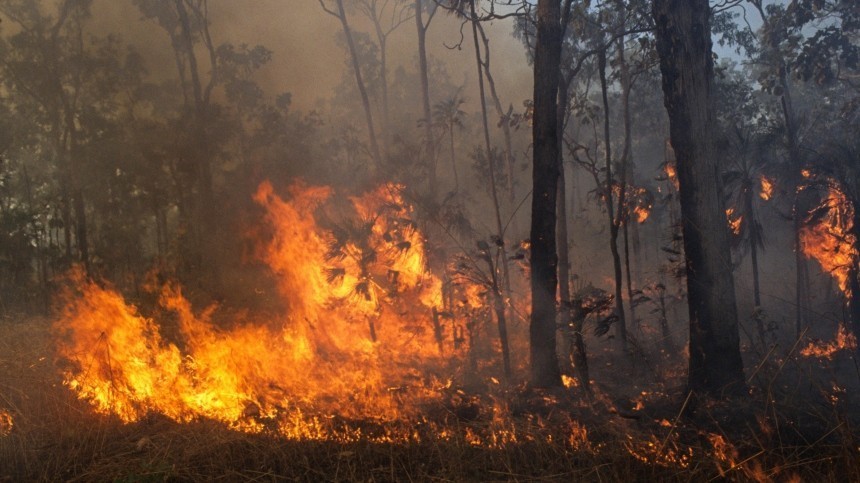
334	274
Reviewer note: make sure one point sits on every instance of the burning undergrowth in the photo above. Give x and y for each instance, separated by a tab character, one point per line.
358	339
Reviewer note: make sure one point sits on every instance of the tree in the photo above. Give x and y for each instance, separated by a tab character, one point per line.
339	12
448	116
683	34
421	26
544	259
385	21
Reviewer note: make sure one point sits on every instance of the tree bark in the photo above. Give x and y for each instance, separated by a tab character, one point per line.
544	258
683	34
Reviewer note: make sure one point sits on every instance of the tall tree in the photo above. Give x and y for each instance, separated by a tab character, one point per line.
50	62
421	26
338	11
386	17
544	258
683	33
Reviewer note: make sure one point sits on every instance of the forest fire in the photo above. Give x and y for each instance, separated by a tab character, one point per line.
827	238
356	342
473	258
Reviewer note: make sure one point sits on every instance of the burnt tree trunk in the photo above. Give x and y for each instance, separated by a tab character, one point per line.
614	221
544	259
753	244
683	34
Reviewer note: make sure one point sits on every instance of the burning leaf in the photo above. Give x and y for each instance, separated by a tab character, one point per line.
735	221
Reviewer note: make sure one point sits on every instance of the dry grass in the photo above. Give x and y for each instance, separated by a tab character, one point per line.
786	432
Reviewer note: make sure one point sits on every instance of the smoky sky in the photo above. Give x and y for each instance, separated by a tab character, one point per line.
307	61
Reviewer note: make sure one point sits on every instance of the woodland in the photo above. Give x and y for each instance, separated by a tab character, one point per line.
414	240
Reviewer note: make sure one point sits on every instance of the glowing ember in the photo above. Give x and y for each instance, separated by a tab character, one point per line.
358	339
827	237
569	382
669	453
6	423
735	222
821	350
766	192
642	214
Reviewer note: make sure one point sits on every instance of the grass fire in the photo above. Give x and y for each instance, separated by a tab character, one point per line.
429	240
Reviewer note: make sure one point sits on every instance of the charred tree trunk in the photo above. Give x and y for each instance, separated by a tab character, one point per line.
683	34
753	244
623	216
571	323
499	309
621	324
544	258
627	274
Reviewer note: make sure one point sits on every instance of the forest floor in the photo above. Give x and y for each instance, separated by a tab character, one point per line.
799	423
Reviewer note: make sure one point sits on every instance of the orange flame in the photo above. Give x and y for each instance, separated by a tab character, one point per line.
6	423
735	222
672	174
829	240
766	192
821	350
356	341
642	213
